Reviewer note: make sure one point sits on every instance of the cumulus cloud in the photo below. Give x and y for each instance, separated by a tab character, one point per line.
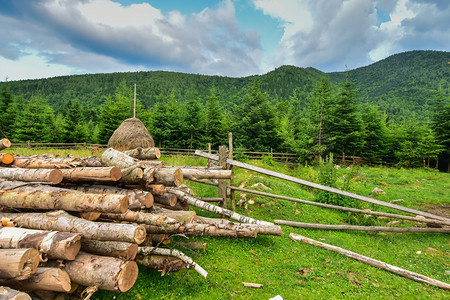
79	32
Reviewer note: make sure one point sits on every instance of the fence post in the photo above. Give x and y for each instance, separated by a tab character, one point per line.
28	144
84	145
223	182
209	160
230	167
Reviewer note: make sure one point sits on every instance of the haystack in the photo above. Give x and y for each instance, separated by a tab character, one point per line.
131	134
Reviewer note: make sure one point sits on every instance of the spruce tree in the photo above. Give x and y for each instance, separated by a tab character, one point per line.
215	132
7	111
75	125
375	135
440	124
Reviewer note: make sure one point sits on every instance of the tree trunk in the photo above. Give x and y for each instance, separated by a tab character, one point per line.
180	216
112	157
196	229
122	250
57	245
4	143
168	177
62	200
106	174
162	263
33	175
362	228
46	279
155	189
179	206
141	218
204	173
260	229
106	273
216	209
132	175
62	221
6	158
373	262
18	264
33	162
175	253
137	198
168	199
11	294
144	154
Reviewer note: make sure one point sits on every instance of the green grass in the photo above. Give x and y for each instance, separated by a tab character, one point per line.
299	271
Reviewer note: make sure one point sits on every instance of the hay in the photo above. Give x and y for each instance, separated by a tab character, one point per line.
131	134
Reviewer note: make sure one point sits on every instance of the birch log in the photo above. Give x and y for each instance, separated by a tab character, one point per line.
4	143
62	221
168	199
180	216
168	177
32	162
216	209
18	264
112	157
45	279
196	229
260	229
205	174
56	245
106	174
92	161
6	158
115	274
122	250
141	218
144	154
162	263
62	200
11	294
175	253
33	175
373	262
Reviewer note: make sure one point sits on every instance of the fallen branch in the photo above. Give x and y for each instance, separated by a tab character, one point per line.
373	262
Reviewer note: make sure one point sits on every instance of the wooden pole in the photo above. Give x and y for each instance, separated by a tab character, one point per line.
361	228
322	187
223	182
209	160
230	167
373	262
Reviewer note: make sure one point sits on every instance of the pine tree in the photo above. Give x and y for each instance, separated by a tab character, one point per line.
193	123
75	126
441	126
7	111
375	135
215	132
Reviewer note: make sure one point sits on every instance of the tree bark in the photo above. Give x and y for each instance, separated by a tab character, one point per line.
168	199
155	189
106	174
180	216
162	263
4	143
141	218
106	273
112	157
62	200
137	198
46	279
260	229
92	161
132	175
196	229
122	250
179	206
144	154
11	294
33	162
204	173
6	158
175	253
216	209
18	264
373	262
57	245
168	177
62	221
362	228
33	175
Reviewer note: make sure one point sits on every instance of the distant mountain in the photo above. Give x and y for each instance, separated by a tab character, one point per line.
400	84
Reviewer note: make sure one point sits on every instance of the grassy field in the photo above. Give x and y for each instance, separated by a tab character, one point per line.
295	270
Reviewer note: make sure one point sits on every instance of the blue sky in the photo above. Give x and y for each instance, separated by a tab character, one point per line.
46	38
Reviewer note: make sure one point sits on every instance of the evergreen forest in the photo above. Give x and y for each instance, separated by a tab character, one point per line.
395	111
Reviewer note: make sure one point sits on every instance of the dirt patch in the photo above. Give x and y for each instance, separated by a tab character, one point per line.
439	210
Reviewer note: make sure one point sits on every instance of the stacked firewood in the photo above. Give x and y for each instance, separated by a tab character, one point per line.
88	222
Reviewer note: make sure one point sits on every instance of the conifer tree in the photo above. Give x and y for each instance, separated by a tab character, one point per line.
440	124
75	124
375	135
215	132
7	111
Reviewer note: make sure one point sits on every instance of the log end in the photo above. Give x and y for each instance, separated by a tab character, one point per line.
172	200
127	276
157	153
90	216
7	158
178	177
5	143
148	200
124	203
131	252
140	234
28	263
116	173
72	246
55	176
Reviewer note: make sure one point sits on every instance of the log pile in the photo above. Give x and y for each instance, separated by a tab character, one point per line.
89	222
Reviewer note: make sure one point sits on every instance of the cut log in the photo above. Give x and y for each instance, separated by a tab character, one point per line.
175	253
46	279
123	250
373	262
216	209
260	229
4	143
162	263
193	245
33	175
132	175
62	221
168	199
18	264
56	245
141	218
6	158
144	154
62	200
90	216
184	188
112	157
137	198
179	206
196	229
168	177
158	239
180	216
11	294
155	189
92	161
203	173
362	228
33	162
106	174
106	273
